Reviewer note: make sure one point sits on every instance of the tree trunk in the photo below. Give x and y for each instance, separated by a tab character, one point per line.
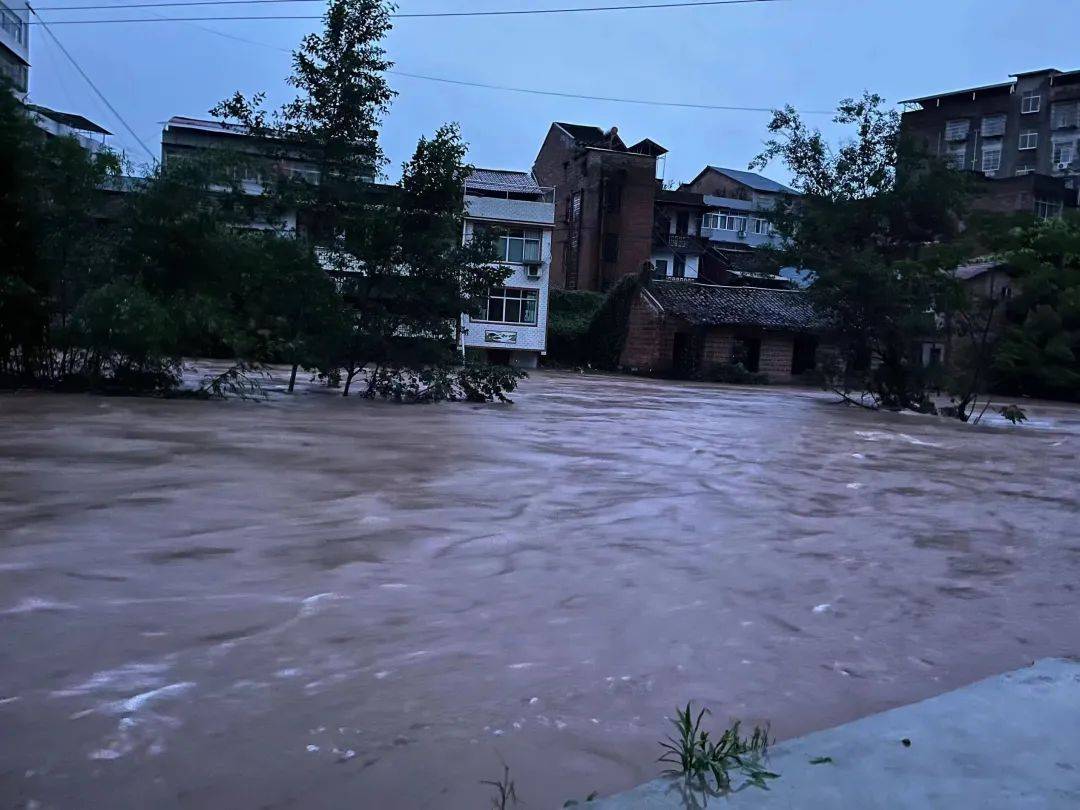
348	380
292	377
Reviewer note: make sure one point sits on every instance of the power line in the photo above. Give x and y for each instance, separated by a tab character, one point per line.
398	16
560	94
94	87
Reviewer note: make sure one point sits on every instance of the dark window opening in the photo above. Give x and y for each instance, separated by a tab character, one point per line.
804	354
611	247
686	354
747	353
682	223
678	269
613	197
660	268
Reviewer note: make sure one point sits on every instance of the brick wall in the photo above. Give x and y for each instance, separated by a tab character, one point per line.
776	355
570	168
649	338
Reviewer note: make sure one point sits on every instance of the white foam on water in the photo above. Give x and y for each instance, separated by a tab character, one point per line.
144	699
521	665
822	608
35	604
312	605
123	678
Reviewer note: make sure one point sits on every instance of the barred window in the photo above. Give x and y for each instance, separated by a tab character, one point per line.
993	126
957	129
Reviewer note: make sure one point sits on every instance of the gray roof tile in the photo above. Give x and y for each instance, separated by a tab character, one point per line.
755	181
712	305
502	180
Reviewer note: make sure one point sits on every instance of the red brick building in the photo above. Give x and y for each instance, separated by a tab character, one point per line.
604	196
686	329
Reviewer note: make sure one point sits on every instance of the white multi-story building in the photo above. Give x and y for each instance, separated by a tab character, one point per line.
15	44
520	215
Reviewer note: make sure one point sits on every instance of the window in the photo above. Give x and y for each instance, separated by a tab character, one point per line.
15	72
1064	153
993	126
991	157
613	196
508	305
724	222
956	156
1029	139
11	23
762	226
1024	169
1030	102
611	247
679	268
1065	114
1048	209
514	245
659	268
957	130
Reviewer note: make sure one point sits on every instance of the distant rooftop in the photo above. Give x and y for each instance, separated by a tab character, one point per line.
597	138
1054	73
70	119
503	180
756	181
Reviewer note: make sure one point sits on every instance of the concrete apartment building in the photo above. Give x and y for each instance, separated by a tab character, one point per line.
605	192
519	214
1023	135
15	44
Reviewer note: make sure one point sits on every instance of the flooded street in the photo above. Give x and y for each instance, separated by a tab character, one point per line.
325	603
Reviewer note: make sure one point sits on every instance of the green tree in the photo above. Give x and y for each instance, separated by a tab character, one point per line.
1039	350
396	250
868	227
53	242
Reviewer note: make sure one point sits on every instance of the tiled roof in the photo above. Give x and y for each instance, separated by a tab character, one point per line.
501	180
709	305
754	180
206	126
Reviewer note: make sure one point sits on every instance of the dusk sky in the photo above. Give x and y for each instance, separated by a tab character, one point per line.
809	53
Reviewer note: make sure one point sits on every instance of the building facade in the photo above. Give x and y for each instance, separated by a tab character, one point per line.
605	193
15	44
518	214
1027	126
691	329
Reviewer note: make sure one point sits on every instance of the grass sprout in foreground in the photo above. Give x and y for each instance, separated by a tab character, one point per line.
708	764
505	792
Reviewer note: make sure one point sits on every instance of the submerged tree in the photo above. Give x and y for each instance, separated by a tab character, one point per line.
395	250
866	226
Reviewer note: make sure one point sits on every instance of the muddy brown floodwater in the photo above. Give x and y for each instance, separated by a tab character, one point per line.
328	603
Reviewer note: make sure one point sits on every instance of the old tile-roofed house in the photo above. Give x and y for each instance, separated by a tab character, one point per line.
685	328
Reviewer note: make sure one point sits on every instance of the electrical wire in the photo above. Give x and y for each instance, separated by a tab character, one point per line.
396	16
94	87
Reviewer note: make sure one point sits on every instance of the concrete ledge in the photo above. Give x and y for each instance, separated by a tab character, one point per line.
1011	741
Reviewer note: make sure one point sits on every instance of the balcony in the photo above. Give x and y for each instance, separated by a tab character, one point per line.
501	209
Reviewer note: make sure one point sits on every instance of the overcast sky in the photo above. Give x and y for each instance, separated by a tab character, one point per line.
809	53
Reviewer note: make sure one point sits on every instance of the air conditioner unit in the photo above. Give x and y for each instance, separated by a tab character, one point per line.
1063	166
532	271
742	234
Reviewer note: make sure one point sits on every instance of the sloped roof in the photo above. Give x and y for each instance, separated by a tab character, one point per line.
72	120
966	272
754	180
206	125
713	305
503	180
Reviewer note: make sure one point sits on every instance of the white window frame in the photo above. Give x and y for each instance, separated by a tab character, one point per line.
993	152
956	155
504	236
1026	108
1059	148
1048	209
519	295
727	222
1022	170
1030	137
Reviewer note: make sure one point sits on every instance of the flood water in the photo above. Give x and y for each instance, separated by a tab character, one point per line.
321	603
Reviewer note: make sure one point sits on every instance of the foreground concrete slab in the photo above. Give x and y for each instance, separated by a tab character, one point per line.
1012	741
